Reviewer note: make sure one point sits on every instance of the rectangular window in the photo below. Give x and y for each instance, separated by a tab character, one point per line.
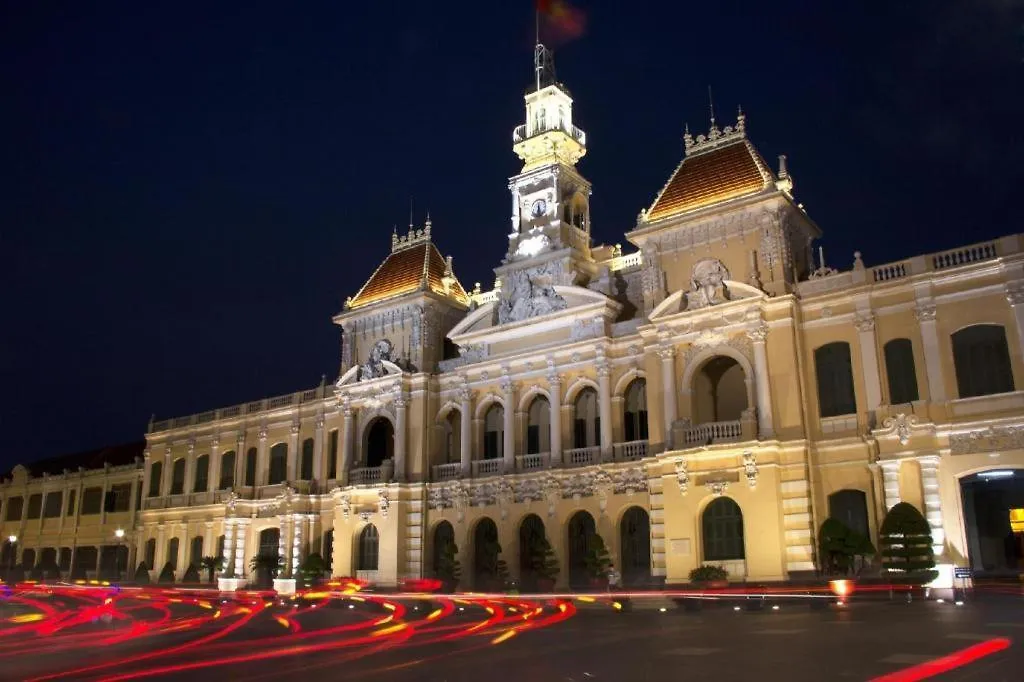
35	506
532	439
899	368
579	433
71	503
491	445
333	466
92	500
51	510
14	506
118	498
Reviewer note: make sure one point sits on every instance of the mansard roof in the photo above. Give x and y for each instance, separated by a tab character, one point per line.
415	264
722	166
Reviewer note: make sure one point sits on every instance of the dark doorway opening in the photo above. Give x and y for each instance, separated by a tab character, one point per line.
994	549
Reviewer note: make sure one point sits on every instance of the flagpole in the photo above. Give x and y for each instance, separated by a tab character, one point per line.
537	48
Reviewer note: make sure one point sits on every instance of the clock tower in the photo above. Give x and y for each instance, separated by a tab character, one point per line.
550	199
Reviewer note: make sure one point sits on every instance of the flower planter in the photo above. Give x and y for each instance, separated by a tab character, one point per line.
284	586
230	584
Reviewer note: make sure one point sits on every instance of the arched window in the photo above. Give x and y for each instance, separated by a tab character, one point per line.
722	525
178	476
369	548
227	470
719	391
494	432
582	530
28	558
451	434
635	417
196	552
586	422
982	361
172	553
531	532
851	508
202	483
635	545
380	442
150	557
444	536
270	542
307	460
220	548
155	470
834	371
899	368
486	553
278	464
250	467
538	426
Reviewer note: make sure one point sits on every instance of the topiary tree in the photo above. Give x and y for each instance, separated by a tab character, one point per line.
166	574
142	574
211	564
313	568
492	567
191	574
448	570
543	563
839	546
597	560
906	543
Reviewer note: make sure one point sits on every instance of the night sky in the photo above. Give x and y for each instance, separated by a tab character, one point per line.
190	190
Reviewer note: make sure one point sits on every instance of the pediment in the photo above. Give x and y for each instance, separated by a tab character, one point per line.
703	298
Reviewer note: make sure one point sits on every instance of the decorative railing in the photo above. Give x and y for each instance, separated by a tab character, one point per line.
630	260
250	408
486	467
885	273
581	457
627	452
447	472
713	432
533	462
522	132
365	475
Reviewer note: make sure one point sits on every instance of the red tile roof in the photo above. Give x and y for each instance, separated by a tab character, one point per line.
402	273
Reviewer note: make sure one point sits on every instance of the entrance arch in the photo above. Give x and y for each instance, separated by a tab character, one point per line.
485	552
719	391
582	530
635	546
722	532
380	442
444	535
531	531
987	497
368	552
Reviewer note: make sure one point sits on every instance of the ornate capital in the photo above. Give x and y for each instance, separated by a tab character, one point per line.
240	440
319	423
864	322
191	445
758	333
682	475
667	352
401	401
925	312
295	428
901	425
167	450
262	433
603	370
1015	293
215	441
750	468
505	384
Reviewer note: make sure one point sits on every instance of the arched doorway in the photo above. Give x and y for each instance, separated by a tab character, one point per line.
368	553
494	432
582	530
586	419
538	426
451	435
635	411
719	391
486	551
531	531
380	442
635	546
444	539
268	558
722	535
993	547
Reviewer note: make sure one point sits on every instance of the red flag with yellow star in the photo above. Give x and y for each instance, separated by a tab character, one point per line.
562	19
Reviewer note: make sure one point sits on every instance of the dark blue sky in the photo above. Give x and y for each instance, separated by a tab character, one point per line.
190	190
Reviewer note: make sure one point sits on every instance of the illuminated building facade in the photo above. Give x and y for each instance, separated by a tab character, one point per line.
709	397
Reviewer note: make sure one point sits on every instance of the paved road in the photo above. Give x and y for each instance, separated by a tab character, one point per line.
169	635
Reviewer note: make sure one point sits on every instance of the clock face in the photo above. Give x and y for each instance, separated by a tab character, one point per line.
539	208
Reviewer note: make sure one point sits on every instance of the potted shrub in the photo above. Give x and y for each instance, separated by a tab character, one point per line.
448	570
905	539
166	574
211	564
598	562
142	574
313	569
492	572
191	574
709	577
266	567
543	564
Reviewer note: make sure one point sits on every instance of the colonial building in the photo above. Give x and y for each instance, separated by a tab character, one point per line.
710	395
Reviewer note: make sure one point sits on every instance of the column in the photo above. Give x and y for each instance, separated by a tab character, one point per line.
318	450
262	466
133	503
762	383
241	533
209	547
160	556
401	404
465	436
228	558
346	447
282	547
147	473
240	454
1015	297
509	434
213	468
891	483
604	407
555	388
165	475
668	390
293	452
932	504
190	468
925	314
103	498
296	552
865	324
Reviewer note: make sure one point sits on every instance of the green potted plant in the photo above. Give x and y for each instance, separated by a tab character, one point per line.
313	569
142	574
448	569
211	564
543	564
191	575
709	577
598	562
493	571
905	539
266	567
166	574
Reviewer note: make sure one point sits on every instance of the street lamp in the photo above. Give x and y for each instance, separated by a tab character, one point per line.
119	534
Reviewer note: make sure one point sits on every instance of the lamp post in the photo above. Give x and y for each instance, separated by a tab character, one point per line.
12	539
119	534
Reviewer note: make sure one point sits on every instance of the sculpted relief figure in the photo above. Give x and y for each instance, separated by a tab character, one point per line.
528	294
374	366
708	281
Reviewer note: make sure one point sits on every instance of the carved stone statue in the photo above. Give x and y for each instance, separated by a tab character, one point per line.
529	294
708	280
374	366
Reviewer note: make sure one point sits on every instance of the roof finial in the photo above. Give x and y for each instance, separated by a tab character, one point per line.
394	237
713	133
687	137
410	213
741	120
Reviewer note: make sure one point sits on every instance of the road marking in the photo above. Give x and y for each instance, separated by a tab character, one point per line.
691	651
905	659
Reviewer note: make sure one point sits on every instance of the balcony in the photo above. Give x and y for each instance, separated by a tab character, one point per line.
366	476
447	472
487	467
581	457
521	133
711	433
631	451
534	462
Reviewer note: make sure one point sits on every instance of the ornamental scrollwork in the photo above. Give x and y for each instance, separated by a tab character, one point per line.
630	481
383	502
750	468
993	438
682	475
901	425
